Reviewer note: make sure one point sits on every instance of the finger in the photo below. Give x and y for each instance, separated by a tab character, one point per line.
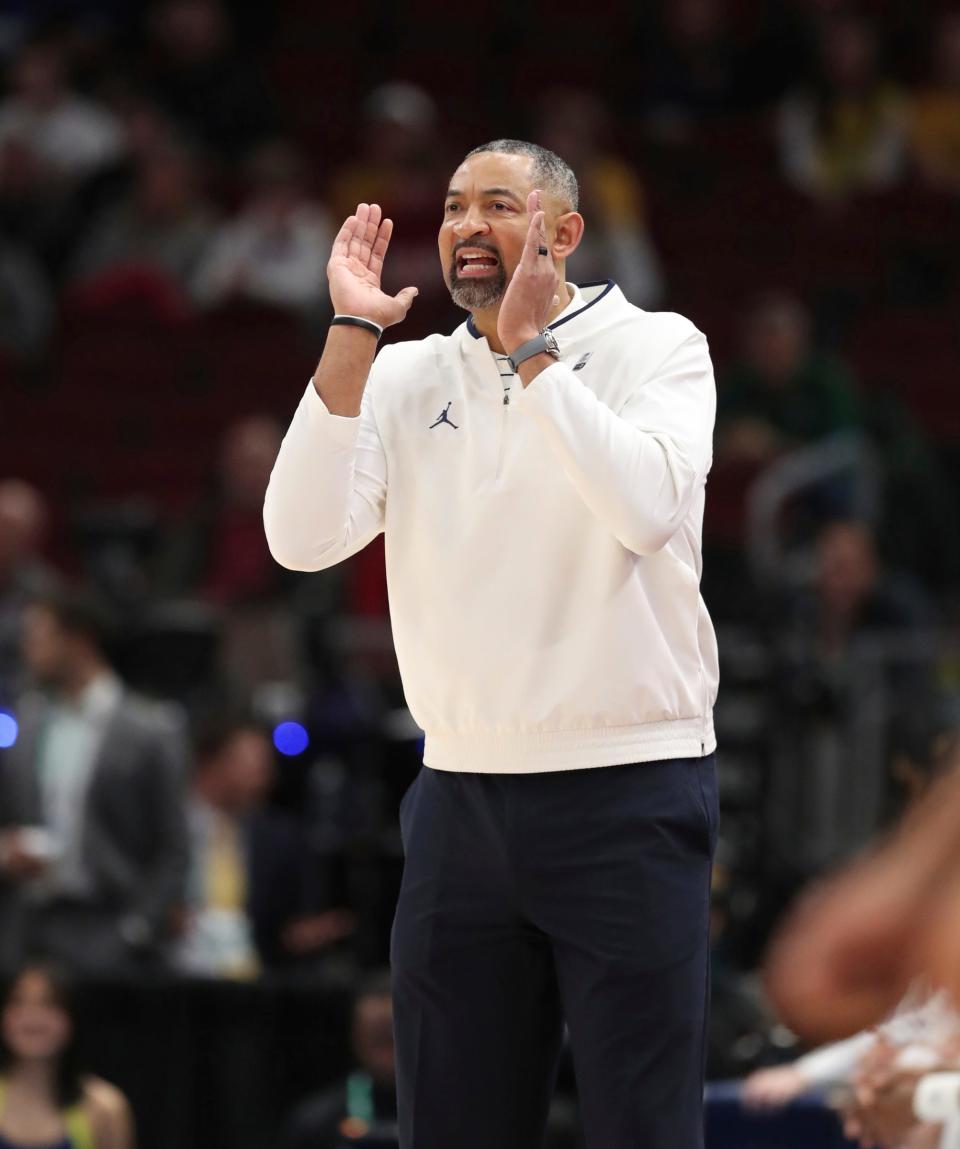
380	246
341	242
356	240
406	297
536	238
369	236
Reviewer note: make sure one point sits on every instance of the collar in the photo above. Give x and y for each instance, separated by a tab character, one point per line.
582	298
98	698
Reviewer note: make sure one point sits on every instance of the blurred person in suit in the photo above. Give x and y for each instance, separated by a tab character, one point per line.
251	901
45	1097
93	850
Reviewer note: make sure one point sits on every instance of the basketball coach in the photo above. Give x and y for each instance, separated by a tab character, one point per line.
539	477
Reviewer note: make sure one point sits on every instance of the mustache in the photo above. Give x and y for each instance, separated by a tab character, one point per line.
476	245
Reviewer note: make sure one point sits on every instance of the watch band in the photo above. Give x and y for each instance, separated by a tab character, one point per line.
937	1098
544	342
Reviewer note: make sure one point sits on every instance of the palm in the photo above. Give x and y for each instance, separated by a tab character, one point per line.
355	266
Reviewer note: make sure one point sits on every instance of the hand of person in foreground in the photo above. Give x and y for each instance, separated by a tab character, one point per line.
852	946
773	1087
355	266
845	956
880	1111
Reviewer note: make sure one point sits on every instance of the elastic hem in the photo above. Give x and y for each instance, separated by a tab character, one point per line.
519	752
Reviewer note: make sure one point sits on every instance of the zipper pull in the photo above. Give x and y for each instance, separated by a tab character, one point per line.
506	398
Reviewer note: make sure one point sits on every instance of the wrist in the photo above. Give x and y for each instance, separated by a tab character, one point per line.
513	339
358	323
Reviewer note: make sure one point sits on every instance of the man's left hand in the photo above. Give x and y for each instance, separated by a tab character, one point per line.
532	292
882	1110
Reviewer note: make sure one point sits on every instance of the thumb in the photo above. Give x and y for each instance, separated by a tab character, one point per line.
406	297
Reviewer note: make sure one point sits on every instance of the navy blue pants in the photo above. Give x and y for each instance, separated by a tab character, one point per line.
529	900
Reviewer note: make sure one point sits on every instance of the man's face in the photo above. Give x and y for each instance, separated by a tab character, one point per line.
485	223
46	646
373	1038
247	765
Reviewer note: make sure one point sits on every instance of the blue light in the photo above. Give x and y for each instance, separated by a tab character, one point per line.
291	738
8	730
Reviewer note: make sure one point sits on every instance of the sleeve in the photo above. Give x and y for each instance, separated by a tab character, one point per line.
638	469
937	1098
835	1062
327	493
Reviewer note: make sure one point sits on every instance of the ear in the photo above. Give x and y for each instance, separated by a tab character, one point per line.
568	231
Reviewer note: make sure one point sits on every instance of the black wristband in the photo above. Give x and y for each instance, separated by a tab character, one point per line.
357	321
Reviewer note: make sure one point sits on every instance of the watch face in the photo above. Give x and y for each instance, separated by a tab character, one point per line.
551	341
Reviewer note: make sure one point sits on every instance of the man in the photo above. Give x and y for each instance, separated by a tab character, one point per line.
23	573
365	1103
93	846
248	900
543	557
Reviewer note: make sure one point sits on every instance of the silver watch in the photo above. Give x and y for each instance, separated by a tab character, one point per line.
546	341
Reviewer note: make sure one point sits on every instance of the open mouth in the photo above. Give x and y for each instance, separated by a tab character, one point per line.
476	262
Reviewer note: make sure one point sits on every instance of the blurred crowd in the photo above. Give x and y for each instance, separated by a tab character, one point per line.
201	754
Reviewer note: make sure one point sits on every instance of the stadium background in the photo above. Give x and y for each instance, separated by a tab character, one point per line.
787	175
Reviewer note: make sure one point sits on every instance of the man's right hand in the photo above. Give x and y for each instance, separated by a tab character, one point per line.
355	266
18	862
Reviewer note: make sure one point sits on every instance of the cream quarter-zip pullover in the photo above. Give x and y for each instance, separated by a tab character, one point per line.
543	545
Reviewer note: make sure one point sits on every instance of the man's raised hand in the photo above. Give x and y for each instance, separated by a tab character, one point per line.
532	292
355	265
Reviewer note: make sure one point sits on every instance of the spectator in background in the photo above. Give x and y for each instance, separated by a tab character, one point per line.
69	137
853	595
365	1102
400	165
195	72
45	1098
617	245
93	849
691	66
23	573
220	555
26	304
54	145
153	239
275	251
846	132
248	903
935	112
783	393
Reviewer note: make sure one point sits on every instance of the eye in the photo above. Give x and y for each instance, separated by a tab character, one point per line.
499	205
452	207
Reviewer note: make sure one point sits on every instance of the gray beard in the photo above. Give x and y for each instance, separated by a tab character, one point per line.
477	295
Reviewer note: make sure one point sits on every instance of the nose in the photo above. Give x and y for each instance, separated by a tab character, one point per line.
471	222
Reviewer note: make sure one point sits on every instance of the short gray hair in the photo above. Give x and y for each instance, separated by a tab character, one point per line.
550	172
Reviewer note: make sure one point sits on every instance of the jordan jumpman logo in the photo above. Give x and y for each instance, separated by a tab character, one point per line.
444	418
